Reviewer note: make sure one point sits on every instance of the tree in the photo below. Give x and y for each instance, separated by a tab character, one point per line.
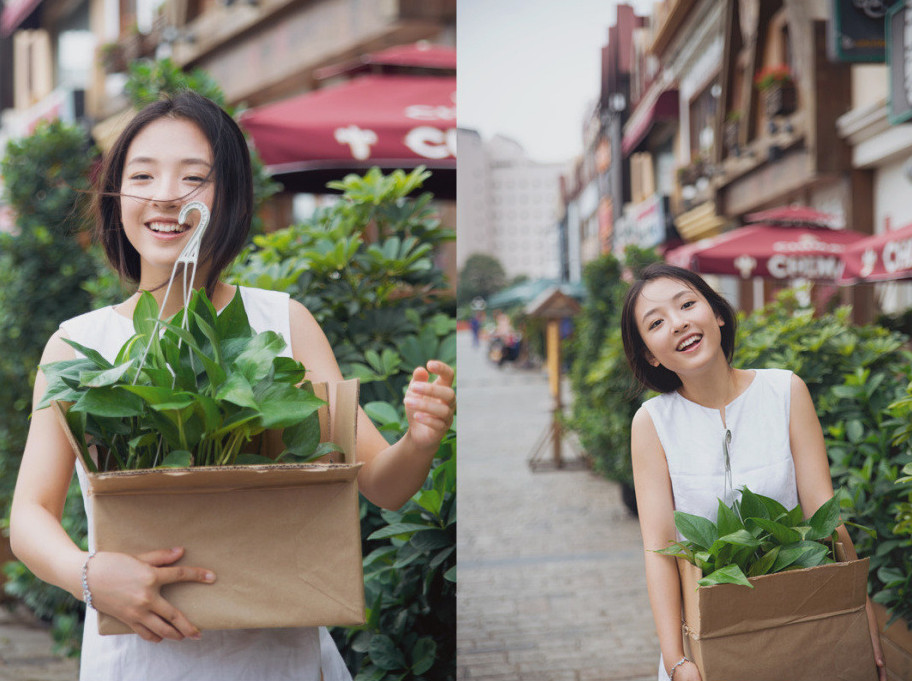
481	276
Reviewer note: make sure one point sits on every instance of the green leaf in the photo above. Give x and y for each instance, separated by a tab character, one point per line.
731	574
697	529
256	360
283	405
397	530
237	390
384	653
383	413
90	354
825	520
423	654
752	506
450	575
429	540
145	314
104	377
303	438
765	564
177	459
803	554
109	401
727	520
782	534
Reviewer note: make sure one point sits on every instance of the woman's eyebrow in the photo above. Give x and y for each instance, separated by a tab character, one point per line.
185	161
679	294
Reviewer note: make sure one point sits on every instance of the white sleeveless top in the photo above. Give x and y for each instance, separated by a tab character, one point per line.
288	654
760	452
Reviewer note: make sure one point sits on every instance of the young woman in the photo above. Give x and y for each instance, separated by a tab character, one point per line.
679	337
175	151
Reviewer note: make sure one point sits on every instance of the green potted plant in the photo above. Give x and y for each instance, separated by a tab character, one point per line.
198	394
803	596
778	89
165	432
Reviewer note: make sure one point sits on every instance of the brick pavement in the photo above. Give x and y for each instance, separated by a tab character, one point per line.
25	651
551	584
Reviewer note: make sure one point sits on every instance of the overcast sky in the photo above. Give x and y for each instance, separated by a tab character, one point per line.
530	69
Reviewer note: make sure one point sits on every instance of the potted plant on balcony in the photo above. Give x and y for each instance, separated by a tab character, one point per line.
112	57
778	89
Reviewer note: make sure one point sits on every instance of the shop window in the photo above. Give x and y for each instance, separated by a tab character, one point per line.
702	121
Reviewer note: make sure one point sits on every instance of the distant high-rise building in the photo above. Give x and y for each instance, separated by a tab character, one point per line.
507	206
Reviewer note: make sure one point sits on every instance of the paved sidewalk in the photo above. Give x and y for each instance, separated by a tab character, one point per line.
551	584
25	651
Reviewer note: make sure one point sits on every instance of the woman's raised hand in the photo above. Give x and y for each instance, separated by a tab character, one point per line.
429	407
129	588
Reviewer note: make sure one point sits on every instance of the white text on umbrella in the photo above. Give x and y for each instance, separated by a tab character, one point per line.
358	139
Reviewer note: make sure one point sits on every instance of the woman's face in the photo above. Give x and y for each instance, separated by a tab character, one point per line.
166	166
680	329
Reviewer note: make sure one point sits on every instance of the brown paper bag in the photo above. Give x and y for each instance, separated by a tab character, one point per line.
807	625
283	540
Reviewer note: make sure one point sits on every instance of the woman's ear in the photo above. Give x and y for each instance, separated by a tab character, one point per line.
650	358
720	319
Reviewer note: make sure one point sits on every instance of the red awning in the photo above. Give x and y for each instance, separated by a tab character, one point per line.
392	121
769	251
881	257
794	215
14	13
664	108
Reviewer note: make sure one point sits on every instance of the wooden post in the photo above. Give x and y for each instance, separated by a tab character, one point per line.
552	341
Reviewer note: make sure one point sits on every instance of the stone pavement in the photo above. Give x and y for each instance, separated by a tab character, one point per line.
551	584
25	651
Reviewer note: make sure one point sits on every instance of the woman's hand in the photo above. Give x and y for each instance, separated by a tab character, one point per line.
128	588
879	657
429	407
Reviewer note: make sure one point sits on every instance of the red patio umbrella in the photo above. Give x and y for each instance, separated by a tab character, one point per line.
881	257
769	251
389	121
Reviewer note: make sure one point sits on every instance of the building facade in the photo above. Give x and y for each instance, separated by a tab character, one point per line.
506	206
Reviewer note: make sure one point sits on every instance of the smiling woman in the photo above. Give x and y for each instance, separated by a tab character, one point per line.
177	152
712	430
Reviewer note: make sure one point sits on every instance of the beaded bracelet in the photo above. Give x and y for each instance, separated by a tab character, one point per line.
86	594
677	664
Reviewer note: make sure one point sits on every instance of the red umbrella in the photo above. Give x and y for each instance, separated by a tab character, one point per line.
881	257
402	121
769	251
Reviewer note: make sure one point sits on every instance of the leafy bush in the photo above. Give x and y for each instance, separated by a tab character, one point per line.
854	374
755	536
364	268
606	395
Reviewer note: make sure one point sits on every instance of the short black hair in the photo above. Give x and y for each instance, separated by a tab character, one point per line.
660	378
232	209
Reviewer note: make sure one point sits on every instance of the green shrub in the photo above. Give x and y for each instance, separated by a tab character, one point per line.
379	303
854	374
606	395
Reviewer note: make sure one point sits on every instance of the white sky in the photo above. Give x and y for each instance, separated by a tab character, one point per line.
531	69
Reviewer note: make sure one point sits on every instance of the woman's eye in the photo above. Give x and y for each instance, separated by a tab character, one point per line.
140	176
654	323
689	303
194	178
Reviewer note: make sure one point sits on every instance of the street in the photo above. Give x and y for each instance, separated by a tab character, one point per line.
25	651
551	584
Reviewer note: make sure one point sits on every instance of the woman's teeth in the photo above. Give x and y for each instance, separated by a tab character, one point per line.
688	342
166	227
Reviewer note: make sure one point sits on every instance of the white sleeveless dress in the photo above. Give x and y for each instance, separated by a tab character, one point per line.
760	451
290	654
